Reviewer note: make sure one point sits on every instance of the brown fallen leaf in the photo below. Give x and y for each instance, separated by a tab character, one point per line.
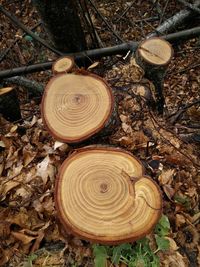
25	239
166	177
42	169
28	156
169	191
172	243
172	258
6	254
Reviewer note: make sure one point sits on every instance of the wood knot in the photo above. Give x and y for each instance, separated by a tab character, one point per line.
103	188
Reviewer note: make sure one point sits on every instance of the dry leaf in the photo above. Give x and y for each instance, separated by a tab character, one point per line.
126	141
5	188
25	239
21	218
34	120
166	177
57	145
123	118
169	191
94	65
28	156
13	129
42	169
174	259
172	243
127	128
2	144
1	168
180	220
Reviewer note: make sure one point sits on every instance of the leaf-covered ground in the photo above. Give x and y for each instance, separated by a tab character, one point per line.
30	158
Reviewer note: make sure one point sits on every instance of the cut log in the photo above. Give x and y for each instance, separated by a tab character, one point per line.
9	105
63	65
76	107
154	55
102	196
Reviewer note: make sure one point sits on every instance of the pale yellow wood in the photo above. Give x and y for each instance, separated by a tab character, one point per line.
75	105
5	90
156	51
62	65
103	193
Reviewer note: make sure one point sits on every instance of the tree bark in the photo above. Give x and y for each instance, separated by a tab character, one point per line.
173	22
9	105
154	55
62	22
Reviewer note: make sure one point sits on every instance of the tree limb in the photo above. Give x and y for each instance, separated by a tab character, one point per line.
32	86
174	21
190	6
98	53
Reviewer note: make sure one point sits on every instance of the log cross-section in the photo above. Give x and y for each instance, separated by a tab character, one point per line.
102	195
63	65
76	107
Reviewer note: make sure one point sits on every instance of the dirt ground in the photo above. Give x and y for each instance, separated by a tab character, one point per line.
168	145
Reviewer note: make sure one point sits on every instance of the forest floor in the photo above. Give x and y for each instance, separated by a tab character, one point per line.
30	157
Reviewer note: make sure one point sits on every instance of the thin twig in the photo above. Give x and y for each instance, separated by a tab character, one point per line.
88	22
190	6
187	68
3	55
154	121
124	12
105	21
18	23
163	12
176	115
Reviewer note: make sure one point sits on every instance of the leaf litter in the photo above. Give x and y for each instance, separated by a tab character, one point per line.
30	234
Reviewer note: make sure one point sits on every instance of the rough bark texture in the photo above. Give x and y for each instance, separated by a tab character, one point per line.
32	86
9	105
173	22
151	56
62	22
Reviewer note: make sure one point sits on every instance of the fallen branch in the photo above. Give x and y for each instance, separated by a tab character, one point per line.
191	137
98	53
175	116
29	32
174	21
32	86
190	6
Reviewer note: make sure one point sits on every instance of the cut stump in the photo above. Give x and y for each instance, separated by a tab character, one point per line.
154	55
63	65
102	196
9	104
76	107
